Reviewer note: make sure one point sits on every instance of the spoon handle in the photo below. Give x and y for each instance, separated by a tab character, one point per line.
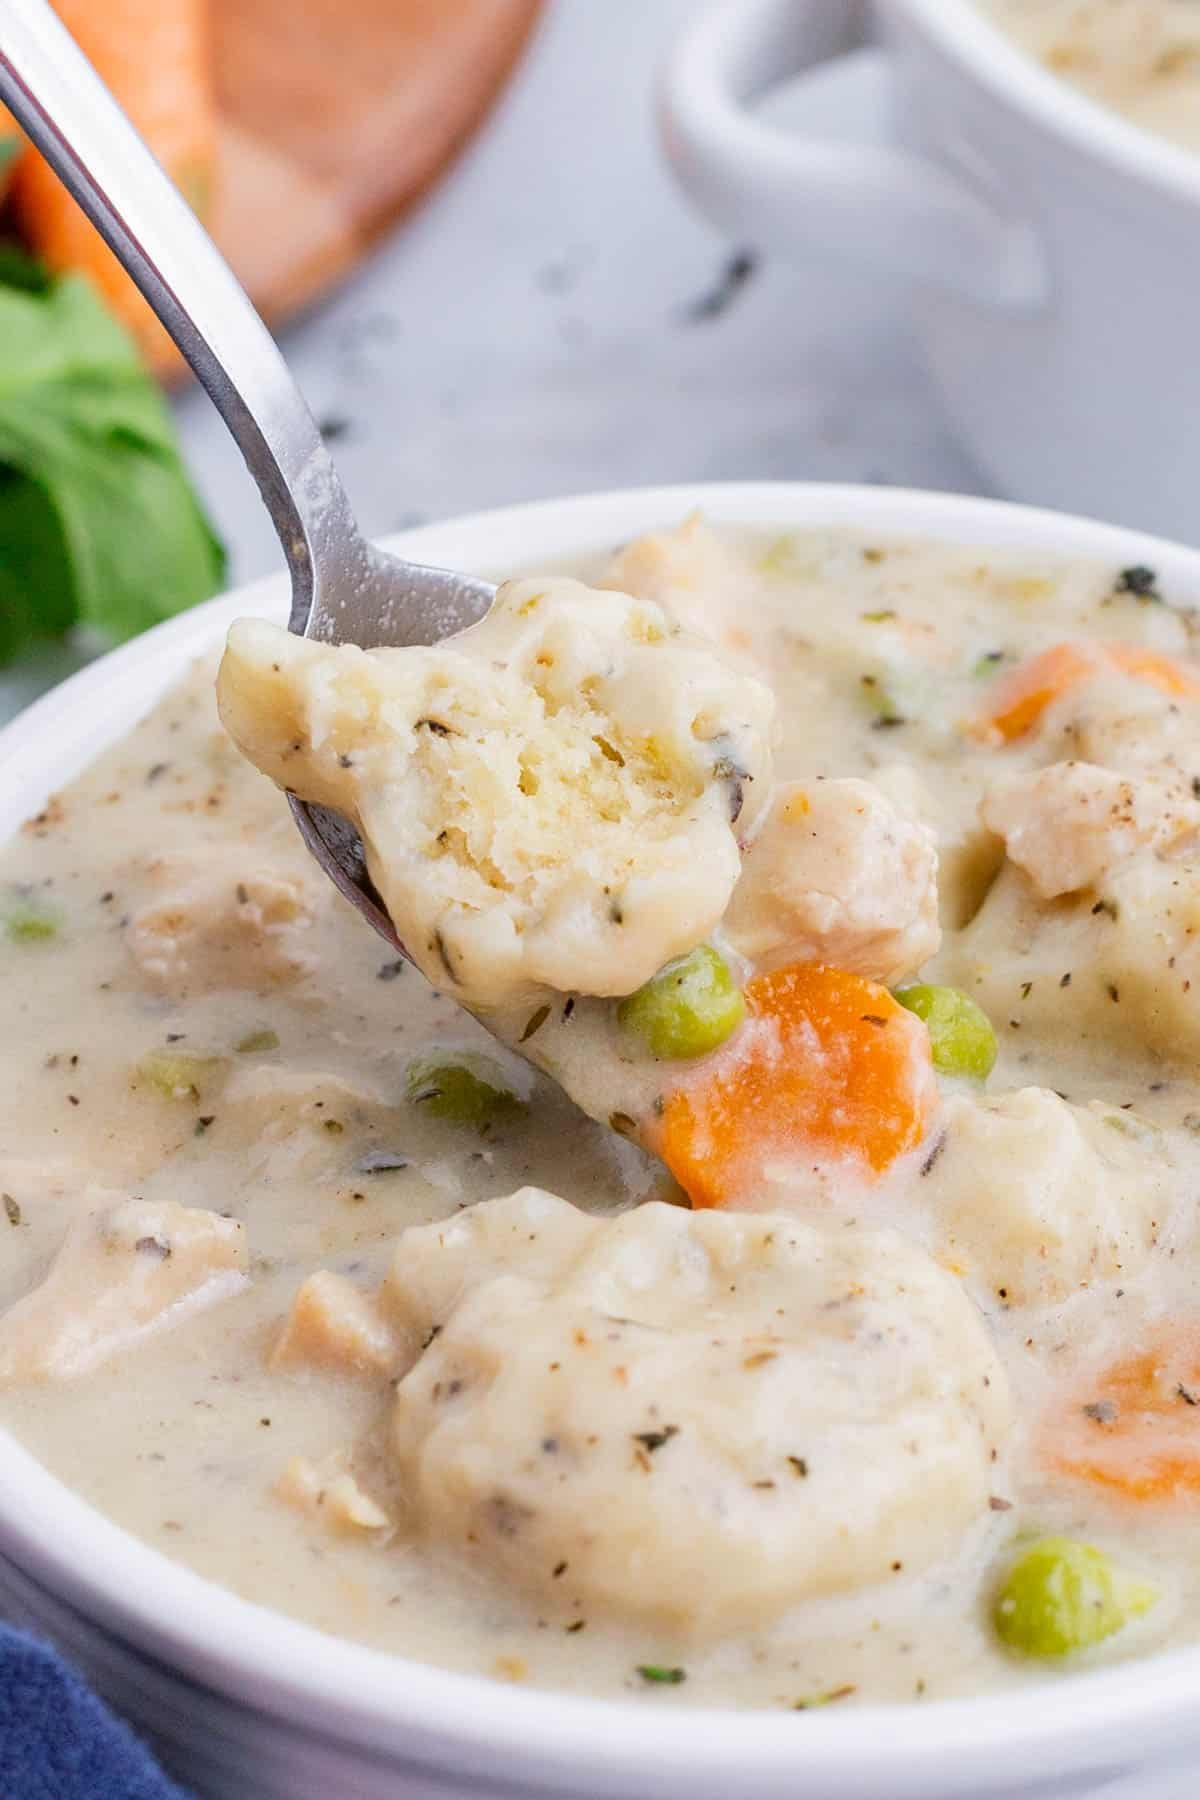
68	113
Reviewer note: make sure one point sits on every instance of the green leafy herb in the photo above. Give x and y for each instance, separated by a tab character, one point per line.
656	1674
881	695
1141	582
98	523
830	1697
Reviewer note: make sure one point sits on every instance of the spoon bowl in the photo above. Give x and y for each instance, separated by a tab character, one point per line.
344	590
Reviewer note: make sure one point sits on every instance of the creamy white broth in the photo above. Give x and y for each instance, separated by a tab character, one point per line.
1140	57
170	1436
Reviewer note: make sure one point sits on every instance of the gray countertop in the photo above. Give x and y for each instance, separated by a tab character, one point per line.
555	318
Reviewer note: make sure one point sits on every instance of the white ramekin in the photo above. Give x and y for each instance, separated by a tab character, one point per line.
245	1704
1053	249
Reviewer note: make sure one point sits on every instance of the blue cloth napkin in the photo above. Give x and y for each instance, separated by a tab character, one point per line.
57	1742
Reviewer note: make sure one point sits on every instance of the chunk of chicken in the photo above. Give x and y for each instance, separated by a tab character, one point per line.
696	576
122	1272
547	800
838	874
1071	824
1034	1198
333	1325
221	924
332	1494
687	1420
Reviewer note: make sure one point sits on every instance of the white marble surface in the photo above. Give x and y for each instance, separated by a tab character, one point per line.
528	332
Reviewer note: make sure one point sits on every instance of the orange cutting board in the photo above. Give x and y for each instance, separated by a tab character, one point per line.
335	116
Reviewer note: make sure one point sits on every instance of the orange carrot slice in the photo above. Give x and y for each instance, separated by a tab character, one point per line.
828	1067
1136	1430
1021	697
154	55
1155	667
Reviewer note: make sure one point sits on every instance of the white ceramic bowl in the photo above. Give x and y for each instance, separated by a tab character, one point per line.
1053	249
247	1705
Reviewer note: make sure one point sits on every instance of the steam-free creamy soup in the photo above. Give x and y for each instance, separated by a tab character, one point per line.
889	1388
1141	57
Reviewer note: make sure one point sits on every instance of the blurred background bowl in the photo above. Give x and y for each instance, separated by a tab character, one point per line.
1050	249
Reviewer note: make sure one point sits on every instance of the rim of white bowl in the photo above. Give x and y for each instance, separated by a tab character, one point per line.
456	1722
980	45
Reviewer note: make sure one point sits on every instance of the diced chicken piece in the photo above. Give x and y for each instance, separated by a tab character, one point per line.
1069	825
215	928
334	1325
688	1420
695	575
122	1273
331	1494
838	874
553	798
1034	1198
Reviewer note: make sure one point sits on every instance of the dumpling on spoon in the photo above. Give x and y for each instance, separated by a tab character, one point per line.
553	799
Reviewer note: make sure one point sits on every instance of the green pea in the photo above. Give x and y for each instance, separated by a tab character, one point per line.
689	1008
1061	1595
461	1092
960	1032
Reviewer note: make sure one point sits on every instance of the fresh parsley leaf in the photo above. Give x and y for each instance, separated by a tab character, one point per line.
98	523
19	270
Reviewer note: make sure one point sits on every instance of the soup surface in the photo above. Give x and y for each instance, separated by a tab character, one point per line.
925	1317
1141	57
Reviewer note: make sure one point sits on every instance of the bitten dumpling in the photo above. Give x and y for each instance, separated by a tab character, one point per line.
554	798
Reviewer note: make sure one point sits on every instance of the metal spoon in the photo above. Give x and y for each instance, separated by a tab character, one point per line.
344	590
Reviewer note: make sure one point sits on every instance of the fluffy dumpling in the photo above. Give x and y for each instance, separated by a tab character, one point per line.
687	1420
1110	964
554	798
